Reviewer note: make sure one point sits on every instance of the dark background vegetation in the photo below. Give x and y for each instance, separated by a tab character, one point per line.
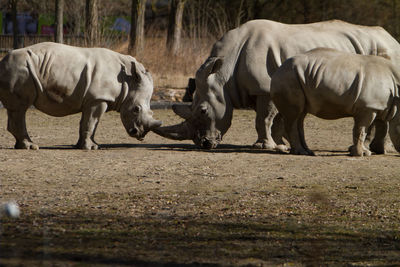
203	22
214	17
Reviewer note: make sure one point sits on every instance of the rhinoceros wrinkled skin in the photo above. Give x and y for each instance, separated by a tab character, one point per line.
331	85
237	74
60	80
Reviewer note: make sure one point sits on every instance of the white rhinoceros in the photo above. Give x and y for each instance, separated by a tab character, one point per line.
237	74
331	85
60	80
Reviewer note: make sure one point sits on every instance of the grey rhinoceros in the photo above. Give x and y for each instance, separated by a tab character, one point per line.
331	85
60	80
237	74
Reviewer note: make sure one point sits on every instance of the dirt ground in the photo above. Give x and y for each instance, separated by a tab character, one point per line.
161	202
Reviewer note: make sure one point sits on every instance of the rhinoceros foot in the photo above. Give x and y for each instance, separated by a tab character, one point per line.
305	152
269	145
356	151
25	144
87	145
282	148
377	147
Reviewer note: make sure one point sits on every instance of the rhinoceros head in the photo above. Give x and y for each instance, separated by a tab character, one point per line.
210	115
135	110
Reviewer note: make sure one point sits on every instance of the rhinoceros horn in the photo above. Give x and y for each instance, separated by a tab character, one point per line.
154	124
182	111
179	131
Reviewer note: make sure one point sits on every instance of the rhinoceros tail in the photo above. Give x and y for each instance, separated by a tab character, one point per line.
32	70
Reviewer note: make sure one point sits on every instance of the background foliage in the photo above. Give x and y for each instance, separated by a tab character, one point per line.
205	21
213	17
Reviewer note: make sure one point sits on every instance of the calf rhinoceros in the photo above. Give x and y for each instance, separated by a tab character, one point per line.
60	80
331	85
237	74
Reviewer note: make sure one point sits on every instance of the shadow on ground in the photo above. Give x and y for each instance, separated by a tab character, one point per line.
223	148
185	147
175	241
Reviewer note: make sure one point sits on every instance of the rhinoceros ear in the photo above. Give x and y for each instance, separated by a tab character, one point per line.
217	65
135	72
182	111
212	65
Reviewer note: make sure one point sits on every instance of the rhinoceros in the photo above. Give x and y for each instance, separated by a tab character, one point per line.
60	80
331	85
237	74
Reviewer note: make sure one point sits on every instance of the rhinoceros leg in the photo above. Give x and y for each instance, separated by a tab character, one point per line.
90	118
361	124
370	134
381	132
266	111
294	126
300	128
278	133
17	127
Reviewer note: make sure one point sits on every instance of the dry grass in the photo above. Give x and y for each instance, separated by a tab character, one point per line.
171	71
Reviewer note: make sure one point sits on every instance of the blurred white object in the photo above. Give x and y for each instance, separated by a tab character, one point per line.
10	209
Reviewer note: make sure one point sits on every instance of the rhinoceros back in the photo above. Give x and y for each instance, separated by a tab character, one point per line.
66	77
256	49
335	84
63	72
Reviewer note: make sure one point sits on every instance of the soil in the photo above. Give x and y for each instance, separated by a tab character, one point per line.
162	202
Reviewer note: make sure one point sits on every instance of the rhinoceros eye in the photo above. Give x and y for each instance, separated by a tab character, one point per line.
136	109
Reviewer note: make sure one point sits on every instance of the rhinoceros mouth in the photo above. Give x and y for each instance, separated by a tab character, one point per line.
207	142
139	135
133	132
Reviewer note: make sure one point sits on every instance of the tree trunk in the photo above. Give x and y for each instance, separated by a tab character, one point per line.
136	40
239	14
92	15
17	40
323	9
395	19
175	26
59	21
73	10
306	11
